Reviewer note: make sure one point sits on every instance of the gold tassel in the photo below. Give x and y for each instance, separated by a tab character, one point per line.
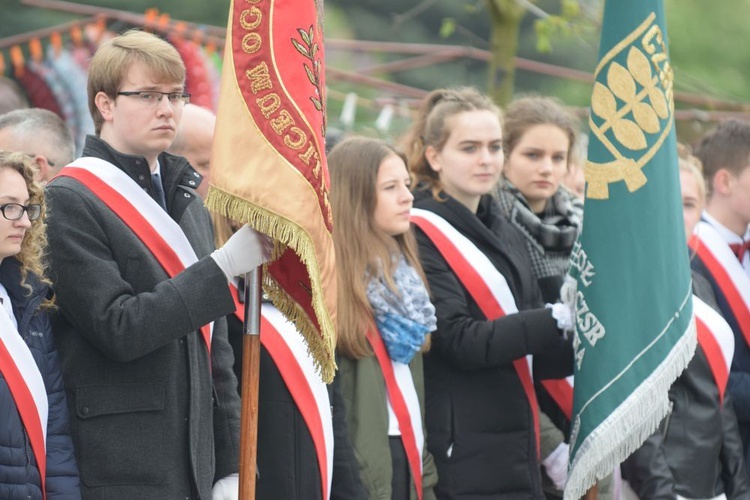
320	345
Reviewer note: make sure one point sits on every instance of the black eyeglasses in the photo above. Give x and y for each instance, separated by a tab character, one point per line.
152	98
14	211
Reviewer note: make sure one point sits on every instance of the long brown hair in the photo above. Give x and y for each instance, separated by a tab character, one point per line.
362	250
34	244
432	127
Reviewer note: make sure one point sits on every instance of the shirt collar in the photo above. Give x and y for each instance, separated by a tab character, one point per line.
727	234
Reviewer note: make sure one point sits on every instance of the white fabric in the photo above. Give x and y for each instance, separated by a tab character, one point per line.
494	280
718	326
556	466
160	220
711	238
27	367
244	251
564	316
405	383
227	488
393	428
297	345
7	305
729	236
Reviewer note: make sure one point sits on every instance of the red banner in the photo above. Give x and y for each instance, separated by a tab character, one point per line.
268	164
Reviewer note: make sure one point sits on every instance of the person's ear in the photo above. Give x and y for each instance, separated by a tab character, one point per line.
44	170
722	182
104	104
432	156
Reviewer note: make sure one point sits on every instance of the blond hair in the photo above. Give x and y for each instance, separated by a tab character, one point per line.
113	59
692	165
34	244
362	251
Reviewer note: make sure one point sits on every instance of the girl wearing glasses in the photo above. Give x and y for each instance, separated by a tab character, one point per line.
36	450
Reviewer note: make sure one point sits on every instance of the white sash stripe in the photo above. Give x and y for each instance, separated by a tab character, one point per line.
405	382
296	344
146	206
712	240
718	326
494	280
160	220
27	367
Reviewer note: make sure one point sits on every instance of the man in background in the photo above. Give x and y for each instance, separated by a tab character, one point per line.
41	134
193	141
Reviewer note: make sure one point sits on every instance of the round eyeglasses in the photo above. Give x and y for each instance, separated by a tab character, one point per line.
152	98
14	211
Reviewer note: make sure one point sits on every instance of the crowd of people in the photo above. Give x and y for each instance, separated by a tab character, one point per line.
120	362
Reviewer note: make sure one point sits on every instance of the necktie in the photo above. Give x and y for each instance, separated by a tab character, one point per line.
739	249
159	189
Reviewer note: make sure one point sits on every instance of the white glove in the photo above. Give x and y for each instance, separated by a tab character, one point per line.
243	252
556	465
227	488
564	315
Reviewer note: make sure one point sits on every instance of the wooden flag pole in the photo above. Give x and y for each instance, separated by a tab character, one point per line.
250	379
592	493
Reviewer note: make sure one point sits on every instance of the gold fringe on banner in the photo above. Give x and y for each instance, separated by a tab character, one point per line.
321	345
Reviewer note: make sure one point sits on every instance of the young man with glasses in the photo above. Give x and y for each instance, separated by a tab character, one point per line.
142	292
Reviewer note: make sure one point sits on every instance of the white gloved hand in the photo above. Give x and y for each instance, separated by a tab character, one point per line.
564	316
556	465
227	488
243	252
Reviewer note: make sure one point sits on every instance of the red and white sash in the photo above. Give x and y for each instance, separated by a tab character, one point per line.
141	213
402	396
717	341
484	282
727	271
27	387
288	350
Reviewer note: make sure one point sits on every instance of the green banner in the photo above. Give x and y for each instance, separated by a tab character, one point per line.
631	277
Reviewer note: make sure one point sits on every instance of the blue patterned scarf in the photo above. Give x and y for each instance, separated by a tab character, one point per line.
403	320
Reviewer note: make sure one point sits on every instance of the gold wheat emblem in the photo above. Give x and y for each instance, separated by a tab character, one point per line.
631	114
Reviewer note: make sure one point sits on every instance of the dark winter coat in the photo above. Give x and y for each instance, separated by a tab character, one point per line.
286	452
697	451
19	475
152	416
479	424
739	374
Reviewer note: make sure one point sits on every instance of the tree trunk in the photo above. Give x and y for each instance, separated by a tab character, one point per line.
505	16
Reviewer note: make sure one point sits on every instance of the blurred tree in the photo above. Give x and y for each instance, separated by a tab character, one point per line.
506	18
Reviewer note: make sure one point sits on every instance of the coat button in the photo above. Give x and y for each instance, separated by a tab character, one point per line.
187	195
192	183
85	410
141	177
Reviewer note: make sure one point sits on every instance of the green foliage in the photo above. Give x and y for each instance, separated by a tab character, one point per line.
568	23
448	27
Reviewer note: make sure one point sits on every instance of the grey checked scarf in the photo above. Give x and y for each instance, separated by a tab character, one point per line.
550	235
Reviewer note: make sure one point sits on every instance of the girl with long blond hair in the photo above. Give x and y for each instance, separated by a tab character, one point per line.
384	319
